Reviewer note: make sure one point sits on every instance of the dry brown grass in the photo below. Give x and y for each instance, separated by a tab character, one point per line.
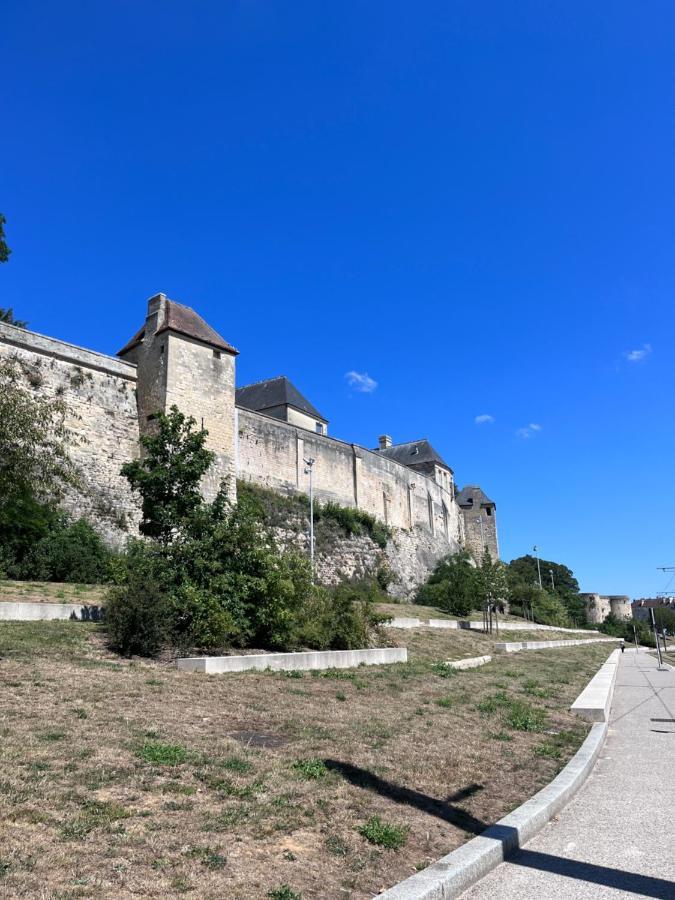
51	592
121	779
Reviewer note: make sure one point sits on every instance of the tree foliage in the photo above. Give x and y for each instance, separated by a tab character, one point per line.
453	586
4	249
169	474
212	572
523	583
7	316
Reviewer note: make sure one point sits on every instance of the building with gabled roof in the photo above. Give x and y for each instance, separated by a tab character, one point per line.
278	397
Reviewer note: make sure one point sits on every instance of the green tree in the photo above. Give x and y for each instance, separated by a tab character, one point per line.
7	316
168	474
491	580
34	461
523	573
453	586
4	249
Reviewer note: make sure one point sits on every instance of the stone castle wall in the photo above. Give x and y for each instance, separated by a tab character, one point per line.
99	393
103	414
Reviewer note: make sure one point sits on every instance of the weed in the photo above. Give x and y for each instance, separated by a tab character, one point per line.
443	670
341	696
96	813
5	866
445	702
383	834
162	754
523	717
236	764
311	769
337	846
55	734
81	713
293	673
549	750
501	736
154	682
284	892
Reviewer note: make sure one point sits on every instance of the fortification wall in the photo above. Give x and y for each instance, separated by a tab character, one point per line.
425	520
100	399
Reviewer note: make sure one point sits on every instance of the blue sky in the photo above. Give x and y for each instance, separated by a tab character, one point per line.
470	202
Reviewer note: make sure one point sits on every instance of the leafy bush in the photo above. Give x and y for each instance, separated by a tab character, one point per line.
354	521
453	586
68	551
214	577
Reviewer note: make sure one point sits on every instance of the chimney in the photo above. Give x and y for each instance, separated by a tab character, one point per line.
385	441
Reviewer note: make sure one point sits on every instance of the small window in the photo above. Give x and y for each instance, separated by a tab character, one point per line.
318	428
161	349
489	510
151	417
216	354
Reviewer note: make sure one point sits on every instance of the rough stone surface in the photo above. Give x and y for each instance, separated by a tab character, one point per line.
316	659
471	662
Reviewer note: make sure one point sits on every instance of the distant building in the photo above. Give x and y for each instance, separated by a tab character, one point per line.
640	608
480	521
279	398
599	606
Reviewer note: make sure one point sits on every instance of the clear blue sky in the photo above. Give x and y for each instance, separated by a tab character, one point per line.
470	202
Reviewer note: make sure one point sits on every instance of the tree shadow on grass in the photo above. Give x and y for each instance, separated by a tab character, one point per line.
641	885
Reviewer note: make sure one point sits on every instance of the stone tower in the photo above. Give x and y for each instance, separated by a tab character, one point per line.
181	360
480	522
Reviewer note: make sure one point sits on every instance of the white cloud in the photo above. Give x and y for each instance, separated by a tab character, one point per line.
528	431
361	382
638	355
484	419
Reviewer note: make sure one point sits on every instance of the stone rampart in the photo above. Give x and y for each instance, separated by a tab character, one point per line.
99	394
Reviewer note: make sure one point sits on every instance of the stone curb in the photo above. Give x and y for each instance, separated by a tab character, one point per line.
458	871
517	646
470	662
289	662
594	702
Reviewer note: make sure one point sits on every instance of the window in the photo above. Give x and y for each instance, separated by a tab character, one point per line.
489	510
216	354
318	427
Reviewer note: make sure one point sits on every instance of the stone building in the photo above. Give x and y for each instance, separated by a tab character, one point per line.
480	522
260	433
598	607
641	608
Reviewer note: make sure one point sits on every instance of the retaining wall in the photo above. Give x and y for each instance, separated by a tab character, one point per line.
517	646
42	612
316	659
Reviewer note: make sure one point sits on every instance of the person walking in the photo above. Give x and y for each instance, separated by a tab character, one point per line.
623	645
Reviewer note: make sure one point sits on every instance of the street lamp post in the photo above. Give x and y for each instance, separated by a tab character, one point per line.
550	572
536	550
310	471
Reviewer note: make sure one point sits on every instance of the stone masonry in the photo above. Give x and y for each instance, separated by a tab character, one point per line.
176	358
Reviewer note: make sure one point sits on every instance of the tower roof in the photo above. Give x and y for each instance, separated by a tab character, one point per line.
473	495
414	453
183	320
277	391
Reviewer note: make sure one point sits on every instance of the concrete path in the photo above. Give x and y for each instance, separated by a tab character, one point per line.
616	838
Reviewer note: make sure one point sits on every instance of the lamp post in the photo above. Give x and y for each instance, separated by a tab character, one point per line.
536	550
310	471
550	572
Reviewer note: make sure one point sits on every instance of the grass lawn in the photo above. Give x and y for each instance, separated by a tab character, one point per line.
417	611
51	592
122	779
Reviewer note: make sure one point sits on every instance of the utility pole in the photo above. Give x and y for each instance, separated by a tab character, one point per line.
656	637
635	636
536	550
310	471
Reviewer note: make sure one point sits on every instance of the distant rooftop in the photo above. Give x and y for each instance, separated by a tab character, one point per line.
183	320
277	391
413	453
473	495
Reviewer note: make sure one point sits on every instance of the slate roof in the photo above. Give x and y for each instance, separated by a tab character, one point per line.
475	493
277	391
183	320
414	453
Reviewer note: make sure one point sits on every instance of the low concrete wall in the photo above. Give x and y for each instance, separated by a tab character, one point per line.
517	646
594	702
42	612
400	622
471	662
315	659
403	622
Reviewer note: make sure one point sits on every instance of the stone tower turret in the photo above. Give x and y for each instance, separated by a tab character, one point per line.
480	522
181	360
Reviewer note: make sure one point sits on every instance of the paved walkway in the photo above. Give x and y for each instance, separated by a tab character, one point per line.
616	838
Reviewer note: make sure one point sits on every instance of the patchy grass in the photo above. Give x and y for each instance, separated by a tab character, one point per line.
51	592
121	777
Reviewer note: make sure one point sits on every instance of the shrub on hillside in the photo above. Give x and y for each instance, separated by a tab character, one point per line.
68	551
453	586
